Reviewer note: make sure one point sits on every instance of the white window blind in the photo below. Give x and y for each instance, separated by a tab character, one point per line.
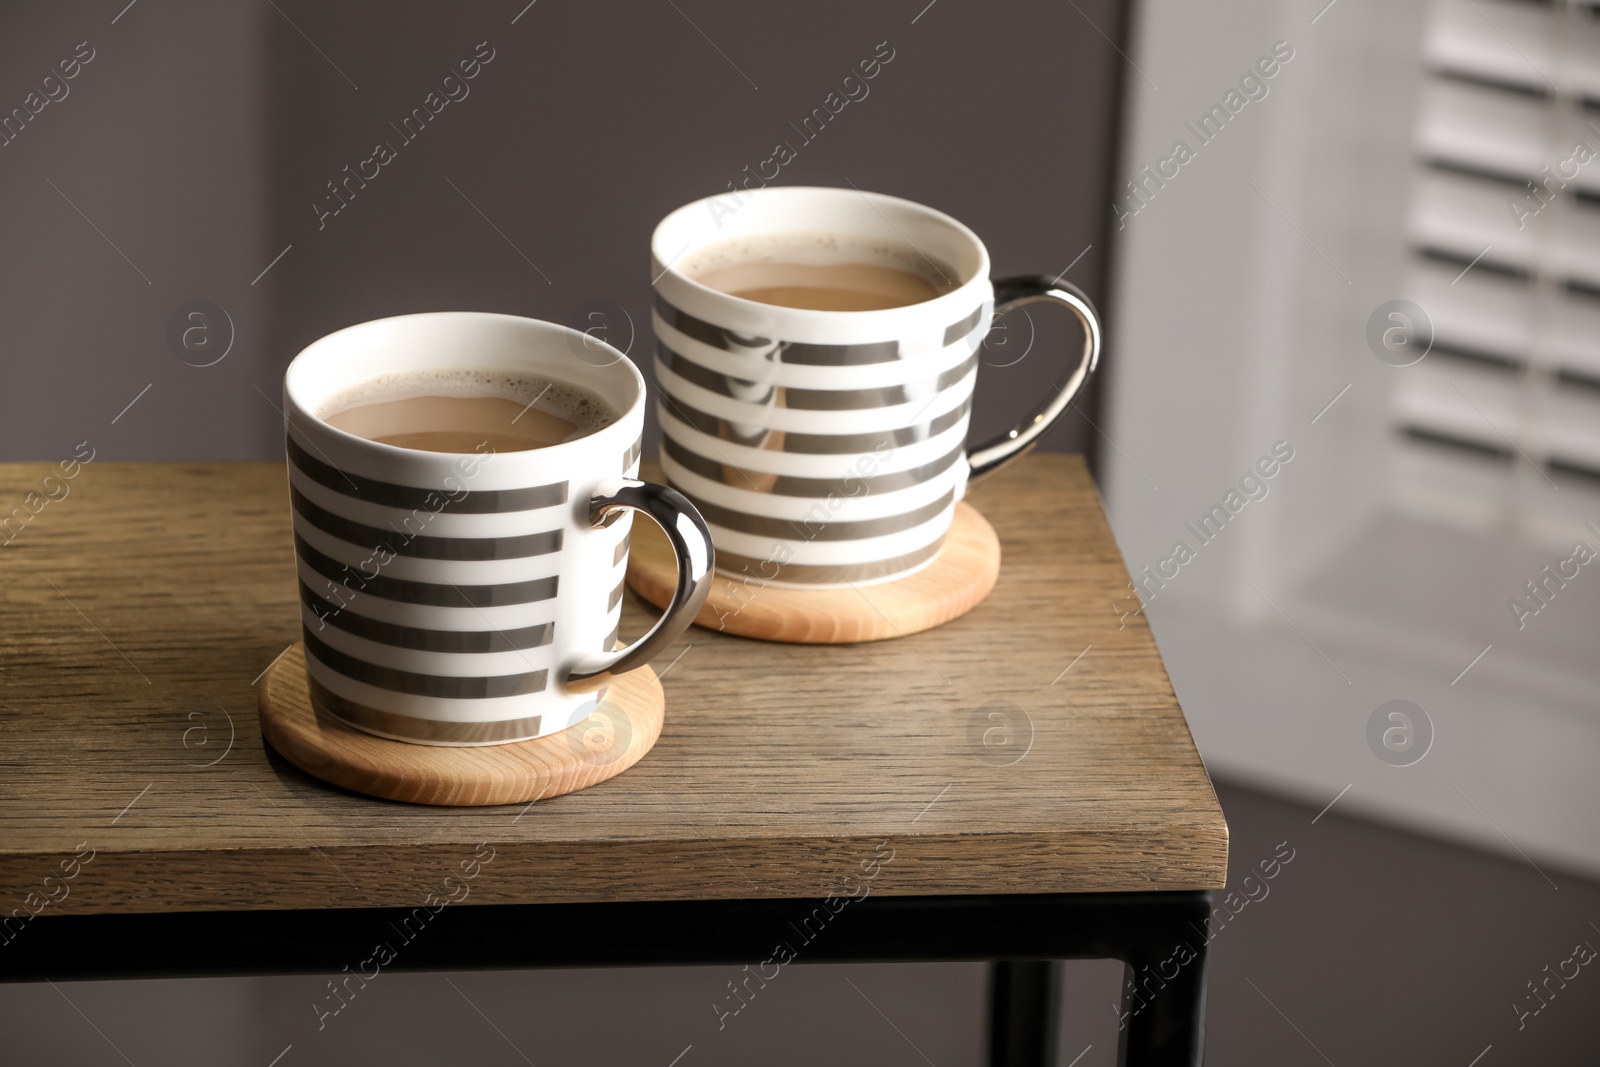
1508	399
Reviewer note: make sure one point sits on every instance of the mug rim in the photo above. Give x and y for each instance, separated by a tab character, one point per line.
292	397
961	294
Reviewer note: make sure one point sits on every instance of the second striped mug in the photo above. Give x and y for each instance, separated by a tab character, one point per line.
817	351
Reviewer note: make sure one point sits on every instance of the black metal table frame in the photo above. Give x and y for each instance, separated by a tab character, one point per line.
1159	937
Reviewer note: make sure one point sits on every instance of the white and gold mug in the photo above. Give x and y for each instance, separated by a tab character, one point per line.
828	448
472	599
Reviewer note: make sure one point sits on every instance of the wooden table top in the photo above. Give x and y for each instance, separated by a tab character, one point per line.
140	605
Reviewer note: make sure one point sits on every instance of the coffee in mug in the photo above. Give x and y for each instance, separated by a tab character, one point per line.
821	271
467	411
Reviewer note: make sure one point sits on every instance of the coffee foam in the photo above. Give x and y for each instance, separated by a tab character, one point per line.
822	249
572	402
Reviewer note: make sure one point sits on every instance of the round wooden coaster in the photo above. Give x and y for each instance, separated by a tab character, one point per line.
957	580
614	738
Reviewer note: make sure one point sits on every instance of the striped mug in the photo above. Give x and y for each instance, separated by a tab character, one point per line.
828	448
474	598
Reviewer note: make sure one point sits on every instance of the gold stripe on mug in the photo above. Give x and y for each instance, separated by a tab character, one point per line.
957	330
616	596
806	530
425	640
432	594
423	685
786	485
402	542
631	456
810	443
779	396
735	567
459	502
787	351
434	731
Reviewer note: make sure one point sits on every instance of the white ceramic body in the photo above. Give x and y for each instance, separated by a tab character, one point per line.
446	597
824	448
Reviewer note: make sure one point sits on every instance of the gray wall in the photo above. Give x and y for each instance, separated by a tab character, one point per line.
200	136
158	143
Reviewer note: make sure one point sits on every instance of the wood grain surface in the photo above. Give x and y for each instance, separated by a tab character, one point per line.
957	580
142	608
608	742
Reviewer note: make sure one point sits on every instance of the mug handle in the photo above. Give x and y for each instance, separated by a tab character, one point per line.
691	543
1032	289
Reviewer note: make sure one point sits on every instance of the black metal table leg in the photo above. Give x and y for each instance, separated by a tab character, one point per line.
1164	999
1023	1012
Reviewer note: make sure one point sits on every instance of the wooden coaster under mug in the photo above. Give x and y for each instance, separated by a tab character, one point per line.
616	736
957	580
